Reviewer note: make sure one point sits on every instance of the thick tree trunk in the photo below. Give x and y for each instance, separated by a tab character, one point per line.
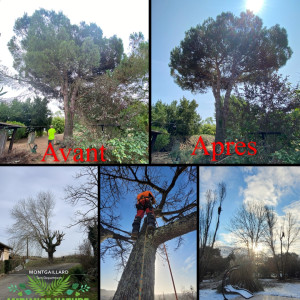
50	255
129	285
220	137
128	288
68	132
70	96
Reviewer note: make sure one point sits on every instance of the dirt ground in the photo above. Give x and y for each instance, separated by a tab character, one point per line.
21	146
161	158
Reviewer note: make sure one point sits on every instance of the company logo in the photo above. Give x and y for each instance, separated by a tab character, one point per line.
58	287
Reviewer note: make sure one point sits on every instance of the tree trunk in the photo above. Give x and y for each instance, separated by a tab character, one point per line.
68	132
219	120
70	96
50	255
129	285
226	110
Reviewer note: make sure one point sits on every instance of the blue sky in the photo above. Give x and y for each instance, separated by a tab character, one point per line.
275	186
183	260
170	20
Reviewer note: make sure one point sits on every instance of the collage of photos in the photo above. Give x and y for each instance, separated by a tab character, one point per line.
149	150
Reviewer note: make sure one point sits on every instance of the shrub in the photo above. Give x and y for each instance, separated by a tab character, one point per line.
162	140
132	148
244	277
59	124
7	266
21	132
208	129
77	274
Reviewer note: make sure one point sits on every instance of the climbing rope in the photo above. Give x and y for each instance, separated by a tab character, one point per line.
142	273
169	267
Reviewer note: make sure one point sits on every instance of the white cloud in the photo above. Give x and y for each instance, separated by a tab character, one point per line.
269	184
189	263
210	177
228	239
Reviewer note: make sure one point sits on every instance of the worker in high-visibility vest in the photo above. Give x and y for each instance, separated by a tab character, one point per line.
145	200
51	136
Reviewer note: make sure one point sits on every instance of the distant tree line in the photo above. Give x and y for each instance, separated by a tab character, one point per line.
33	113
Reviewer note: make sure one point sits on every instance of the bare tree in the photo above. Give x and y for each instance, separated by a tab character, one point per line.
248	226
85	193
270	236
207	235
287	234
32	219
176	206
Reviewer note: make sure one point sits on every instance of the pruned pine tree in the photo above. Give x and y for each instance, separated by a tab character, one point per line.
175	192
58	58
222	53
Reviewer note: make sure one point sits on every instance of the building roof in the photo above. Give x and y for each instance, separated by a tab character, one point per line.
4	246
10	126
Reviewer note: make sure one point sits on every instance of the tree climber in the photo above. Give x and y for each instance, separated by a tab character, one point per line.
144	204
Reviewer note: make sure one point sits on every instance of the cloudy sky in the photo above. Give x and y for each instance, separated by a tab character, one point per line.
18	183
115	17
183	261
278	187
171	19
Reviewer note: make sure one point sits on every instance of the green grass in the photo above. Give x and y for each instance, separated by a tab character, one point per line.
42	262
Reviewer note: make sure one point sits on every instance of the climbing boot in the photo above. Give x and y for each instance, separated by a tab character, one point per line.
150	221
136	227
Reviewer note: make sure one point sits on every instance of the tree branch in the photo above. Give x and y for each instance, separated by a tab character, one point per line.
177	228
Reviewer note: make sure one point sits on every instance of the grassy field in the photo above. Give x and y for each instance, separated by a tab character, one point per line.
36	262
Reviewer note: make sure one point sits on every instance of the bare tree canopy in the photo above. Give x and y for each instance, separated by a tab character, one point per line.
33	219
175	191
84	193
280	237
208	232
248	225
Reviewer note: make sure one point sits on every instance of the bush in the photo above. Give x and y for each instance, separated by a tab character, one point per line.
132	148
21	132
208	129
59	124
162	140
77	274
244	277
7	266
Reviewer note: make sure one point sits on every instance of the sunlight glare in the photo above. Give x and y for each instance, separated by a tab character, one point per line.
258	249
254	5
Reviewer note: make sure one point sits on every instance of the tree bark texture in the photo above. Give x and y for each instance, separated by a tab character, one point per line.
70	97
129	284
